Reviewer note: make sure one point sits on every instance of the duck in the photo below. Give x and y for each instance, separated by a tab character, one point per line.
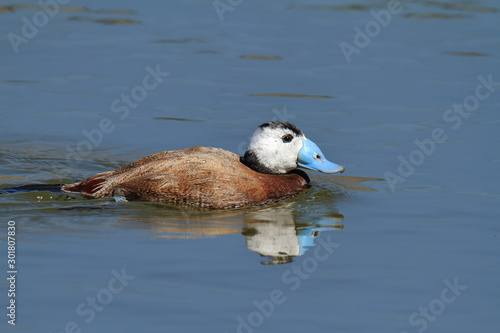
215	178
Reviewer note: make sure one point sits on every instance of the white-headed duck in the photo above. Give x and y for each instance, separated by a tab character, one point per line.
215	178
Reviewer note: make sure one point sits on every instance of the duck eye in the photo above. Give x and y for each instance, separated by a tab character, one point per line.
287	138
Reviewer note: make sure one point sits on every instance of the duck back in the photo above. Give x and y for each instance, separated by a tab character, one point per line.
199	176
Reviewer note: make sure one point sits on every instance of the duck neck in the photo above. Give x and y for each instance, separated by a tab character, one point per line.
251	160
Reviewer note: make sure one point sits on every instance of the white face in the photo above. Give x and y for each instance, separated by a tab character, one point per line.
276	148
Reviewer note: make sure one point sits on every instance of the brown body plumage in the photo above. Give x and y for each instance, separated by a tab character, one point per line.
199	176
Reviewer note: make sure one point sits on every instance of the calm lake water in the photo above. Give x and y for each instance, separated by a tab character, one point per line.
407	93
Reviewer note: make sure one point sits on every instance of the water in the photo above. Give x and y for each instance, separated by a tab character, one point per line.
418	254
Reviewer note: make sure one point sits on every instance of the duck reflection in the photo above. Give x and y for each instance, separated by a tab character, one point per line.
278	232
275	233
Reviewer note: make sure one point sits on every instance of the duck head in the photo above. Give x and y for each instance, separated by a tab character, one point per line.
279	147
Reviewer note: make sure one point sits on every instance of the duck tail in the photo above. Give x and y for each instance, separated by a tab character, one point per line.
87	186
